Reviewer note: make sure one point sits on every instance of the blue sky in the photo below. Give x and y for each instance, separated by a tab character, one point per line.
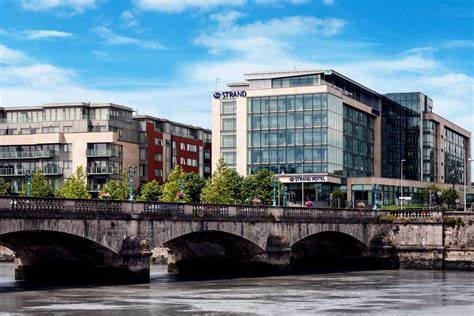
162	57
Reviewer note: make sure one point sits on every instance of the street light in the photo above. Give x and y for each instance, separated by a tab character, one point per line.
469	160
132	170
401	184
28	183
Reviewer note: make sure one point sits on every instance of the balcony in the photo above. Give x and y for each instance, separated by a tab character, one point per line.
27	154
20	172
101	152
103	170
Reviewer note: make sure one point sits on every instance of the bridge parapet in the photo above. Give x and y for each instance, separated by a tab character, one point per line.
23	206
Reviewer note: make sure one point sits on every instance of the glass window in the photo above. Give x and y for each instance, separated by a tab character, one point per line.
282	103
298	102
281	120
290	120
290	103
228	124
228	141
273	104
299	137
299	121
273	120
308	101
228	107
256	105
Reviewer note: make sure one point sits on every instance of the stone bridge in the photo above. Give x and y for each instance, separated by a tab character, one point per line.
111	241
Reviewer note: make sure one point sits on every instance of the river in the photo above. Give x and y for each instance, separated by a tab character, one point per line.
388	292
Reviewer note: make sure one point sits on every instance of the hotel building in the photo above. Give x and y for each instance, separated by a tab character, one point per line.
105	138
319	131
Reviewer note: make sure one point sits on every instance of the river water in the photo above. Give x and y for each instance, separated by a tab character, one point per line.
388	292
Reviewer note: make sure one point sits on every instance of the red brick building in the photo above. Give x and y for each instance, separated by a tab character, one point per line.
164	144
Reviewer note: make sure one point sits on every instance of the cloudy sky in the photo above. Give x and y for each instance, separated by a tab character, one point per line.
162	57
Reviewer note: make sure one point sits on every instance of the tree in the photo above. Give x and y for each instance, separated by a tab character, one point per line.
150	191
193	185
5	187
75	186
450	196
430	189
224	187
116	189
259	186
39	185
172	186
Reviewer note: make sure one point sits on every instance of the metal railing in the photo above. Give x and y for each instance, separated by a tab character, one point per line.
28	154
11	171
101	153
103	170
55	206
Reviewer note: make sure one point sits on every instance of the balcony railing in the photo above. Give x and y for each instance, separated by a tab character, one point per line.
103	170
13	172
101	153
28	154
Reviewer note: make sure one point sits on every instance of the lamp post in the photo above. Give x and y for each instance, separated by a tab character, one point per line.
181	191
401	184
274	191
131	174
302	183
284	195
28	183
469	160
376	192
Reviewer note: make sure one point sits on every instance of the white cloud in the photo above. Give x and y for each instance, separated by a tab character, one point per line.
264	38
328	2
10	56
176	6
129	20
77	6
40	34
112	38
458	44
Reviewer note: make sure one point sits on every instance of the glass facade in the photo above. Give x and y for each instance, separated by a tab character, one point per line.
454	157
297	81
228	133
295	133
401	137
358	143
429	151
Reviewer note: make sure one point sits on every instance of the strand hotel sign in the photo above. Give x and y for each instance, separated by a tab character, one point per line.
305	179
230	94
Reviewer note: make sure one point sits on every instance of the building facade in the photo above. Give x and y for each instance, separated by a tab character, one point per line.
105	138
318	129
58	138
165	144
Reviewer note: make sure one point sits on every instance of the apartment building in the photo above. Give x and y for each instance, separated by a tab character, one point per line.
165	144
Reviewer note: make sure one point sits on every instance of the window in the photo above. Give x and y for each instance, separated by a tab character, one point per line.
182	146
67	164
182	161
192	162
158	142
229	157
158	157
192	148
142	154
158	173
228	124
228	141
67	148
228	107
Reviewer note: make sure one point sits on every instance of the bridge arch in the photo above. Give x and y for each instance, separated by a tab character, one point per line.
213	252
49	256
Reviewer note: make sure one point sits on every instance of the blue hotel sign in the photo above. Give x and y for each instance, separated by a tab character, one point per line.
230	94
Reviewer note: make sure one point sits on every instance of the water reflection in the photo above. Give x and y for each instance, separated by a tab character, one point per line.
393	292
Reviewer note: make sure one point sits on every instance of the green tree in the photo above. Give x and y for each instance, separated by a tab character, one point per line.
259	185
450	196
75	186
116	189
171	186
193	185
150	191
224	187
39	185
430	189
5	187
